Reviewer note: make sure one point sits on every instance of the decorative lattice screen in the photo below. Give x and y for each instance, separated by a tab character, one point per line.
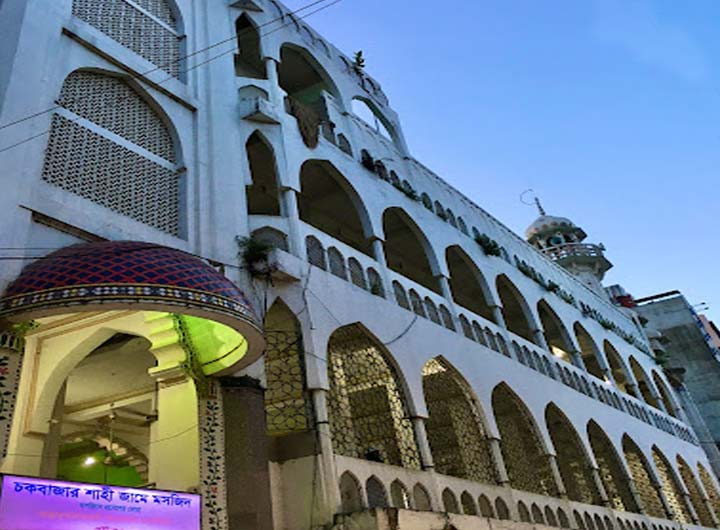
132	28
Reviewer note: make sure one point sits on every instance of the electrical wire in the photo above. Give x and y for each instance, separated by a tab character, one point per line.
203	63
174	61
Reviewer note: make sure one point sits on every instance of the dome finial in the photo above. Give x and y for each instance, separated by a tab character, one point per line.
539	206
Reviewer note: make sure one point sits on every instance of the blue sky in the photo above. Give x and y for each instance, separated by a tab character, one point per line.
608	109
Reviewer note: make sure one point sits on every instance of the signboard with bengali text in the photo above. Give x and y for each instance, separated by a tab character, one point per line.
41	504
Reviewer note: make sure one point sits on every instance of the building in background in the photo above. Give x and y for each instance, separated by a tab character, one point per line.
190	183
691	354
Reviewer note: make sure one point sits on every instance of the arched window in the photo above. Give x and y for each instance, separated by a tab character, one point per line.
248	60
556	335
514	308
451	217
468	504
521	444
644	384
315	252
665	394
406	249
401	295
440	210
287	406
455	431
344	144
462	226
375	283
305	82
367	405
395	180
421	498
502	510
466	327
350	496
427	201
671	487
382	171
138	178
263	195
467	284
450	502
417	304
157	43
563	519
696	496
357	275
523	512
571	458
550	516
399	495
370	114
642	477
271	237
486	508
446	317
589	351
376	494
617	368
432	311
328	203
709	484
537	515
336	263
579	520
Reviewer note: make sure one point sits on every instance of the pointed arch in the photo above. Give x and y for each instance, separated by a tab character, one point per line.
350	493
486	507
617	368
467	284
571	457
612	471
455	425
263	194
248	60
407	250
588	349
302	77
644	383
665	394
642	476
468	504
521	443
450	502
421	498
329	203
399	496
367	403
696	495
110	172
288	408
376	494
671	487
515	309
556	334
368	112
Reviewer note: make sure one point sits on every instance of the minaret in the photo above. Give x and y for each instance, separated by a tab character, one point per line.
562	241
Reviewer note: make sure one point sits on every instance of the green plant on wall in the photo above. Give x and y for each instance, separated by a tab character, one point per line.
359	61
254	254
489	246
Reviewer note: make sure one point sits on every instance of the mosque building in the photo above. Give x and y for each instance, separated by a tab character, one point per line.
224	276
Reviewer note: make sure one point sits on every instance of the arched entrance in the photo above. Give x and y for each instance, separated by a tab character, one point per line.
120	346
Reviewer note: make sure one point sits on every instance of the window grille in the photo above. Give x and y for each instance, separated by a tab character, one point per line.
123	22
447	318
417	304
336	263
357	276
432	311
376	494
315	252
401	296
375	283
466	327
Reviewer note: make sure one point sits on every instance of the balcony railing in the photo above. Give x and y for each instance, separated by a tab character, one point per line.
574	249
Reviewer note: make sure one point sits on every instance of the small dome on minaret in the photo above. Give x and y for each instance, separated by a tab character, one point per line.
563	241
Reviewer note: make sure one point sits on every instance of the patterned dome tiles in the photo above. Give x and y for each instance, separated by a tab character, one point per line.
127	272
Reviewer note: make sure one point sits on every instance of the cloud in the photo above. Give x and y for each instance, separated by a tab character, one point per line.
635	26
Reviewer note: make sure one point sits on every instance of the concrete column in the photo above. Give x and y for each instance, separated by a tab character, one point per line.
327	495
447	294
296	241
174	441
249	505
666	505
552	461
600	486
636	495
421	437
498	316
499	462
691	508
51	448
271	68
378	248
12	351
577	360
539	339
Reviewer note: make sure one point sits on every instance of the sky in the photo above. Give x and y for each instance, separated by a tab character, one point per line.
608	109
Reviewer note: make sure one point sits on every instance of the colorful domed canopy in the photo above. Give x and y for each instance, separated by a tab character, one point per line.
546	223
144	276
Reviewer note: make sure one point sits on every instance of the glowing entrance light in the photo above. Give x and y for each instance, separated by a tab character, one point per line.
89	461
40	504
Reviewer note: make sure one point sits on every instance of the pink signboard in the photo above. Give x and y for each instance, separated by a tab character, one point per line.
39	504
